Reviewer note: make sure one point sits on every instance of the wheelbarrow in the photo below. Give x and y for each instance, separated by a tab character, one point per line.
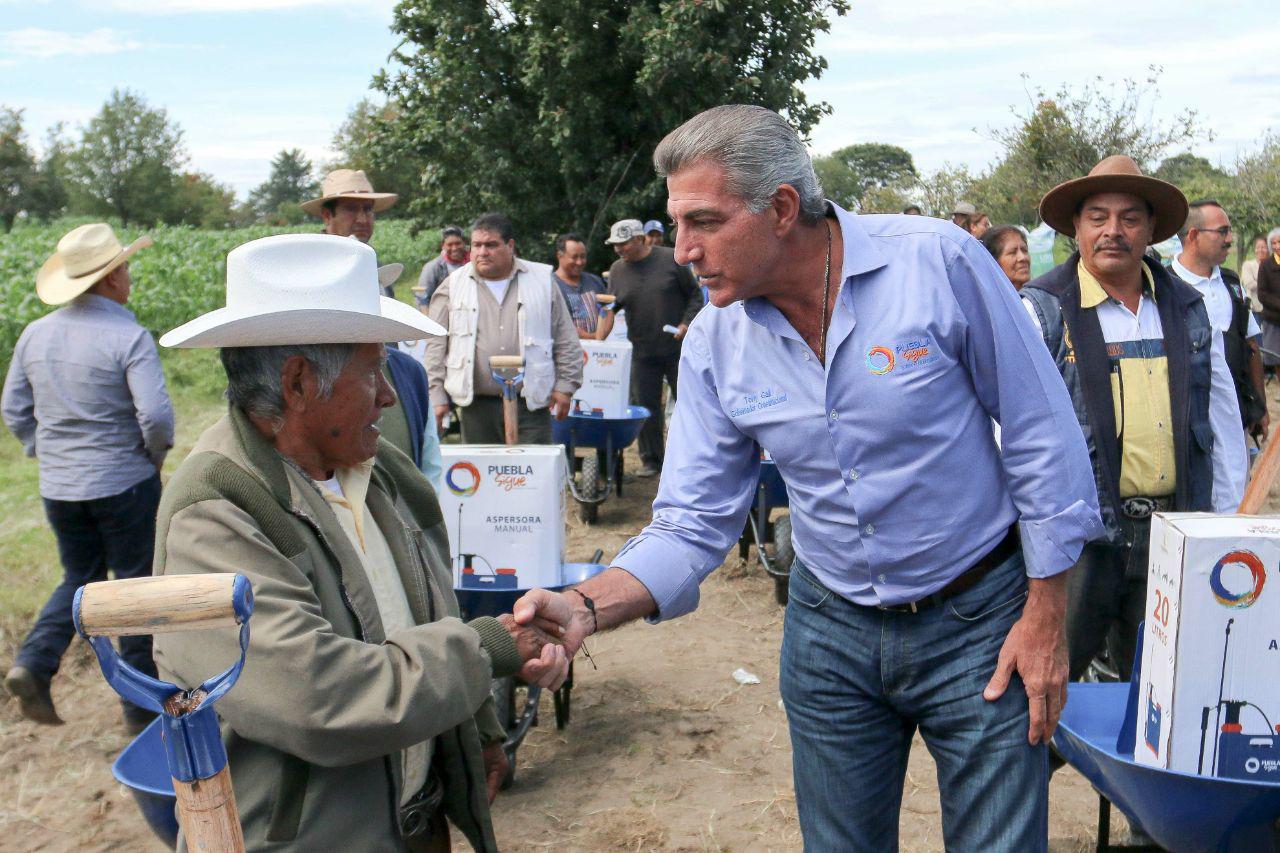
179	758
1182	812
517	702
772	537
609	437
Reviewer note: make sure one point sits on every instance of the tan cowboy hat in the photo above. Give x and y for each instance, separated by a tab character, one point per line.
303	289
348	183
83	258
1116	174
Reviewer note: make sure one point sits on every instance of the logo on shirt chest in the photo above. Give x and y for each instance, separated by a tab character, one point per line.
904	355
766	398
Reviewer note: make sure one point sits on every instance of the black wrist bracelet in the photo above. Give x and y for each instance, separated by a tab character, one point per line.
591	607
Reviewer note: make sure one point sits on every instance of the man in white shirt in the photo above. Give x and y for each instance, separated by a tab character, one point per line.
1206	241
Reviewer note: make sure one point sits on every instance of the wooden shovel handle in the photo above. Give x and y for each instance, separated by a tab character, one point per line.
208	815
1264	474
510	420
157	605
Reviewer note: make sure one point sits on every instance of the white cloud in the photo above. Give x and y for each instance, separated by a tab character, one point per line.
36	43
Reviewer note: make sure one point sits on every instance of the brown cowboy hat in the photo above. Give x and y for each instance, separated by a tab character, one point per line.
348	183
1116	174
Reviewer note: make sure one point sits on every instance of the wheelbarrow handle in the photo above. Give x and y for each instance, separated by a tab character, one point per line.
164	604
1264	474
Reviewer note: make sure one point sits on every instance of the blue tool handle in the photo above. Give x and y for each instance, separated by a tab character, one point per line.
190	731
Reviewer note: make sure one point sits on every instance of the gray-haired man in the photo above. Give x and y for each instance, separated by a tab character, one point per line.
869	356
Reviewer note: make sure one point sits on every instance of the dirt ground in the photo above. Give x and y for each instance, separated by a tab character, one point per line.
665	751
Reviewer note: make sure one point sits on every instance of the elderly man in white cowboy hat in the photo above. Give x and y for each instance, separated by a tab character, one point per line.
1149	384
86	396
363	717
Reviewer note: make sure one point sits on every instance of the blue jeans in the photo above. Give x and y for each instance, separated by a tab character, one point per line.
116	533
858	681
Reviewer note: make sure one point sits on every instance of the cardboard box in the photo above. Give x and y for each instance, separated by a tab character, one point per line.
504	511
1209	696
606	380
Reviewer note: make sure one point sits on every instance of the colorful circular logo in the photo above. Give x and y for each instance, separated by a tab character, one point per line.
1238	600
880	360
463	479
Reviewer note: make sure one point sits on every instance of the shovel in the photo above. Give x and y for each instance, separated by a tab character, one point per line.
193	744
508	371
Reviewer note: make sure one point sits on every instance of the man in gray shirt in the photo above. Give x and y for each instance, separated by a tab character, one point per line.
501	304
86	396
453	254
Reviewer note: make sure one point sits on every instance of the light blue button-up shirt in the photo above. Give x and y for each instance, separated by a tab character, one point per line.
895	482
85	395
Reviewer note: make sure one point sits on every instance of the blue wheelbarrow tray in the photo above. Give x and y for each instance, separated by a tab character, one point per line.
494	602
1182	812
593	431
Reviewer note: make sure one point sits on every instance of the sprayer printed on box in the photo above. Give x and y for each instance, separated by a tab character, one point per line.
606	380
504	511
1209	684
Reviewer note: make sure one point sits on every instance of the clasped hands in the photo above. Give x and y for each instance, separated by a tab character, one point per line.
548	630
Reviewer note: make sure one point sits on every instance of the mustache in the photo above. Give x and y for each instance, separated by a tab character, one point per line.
1120	245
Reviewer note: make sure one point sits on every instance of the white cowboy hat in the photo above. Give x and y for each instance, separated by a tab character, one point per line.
389	274
84	256
348	183
303	289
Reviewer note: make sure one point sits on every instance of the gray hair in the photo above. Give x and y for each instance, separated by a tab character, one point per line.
253	374
756	148
1271	235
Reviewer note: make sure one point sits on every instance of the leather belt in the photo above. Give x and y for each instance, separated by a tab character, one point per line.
1142	507
416	815
967	579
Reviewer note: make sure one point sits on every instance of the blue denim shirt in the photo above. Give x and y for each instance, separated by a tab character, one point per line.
86	396
895	482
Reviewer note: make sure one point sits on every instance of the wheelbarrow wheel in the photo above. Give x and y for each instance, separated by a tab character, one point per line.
784	554
589	487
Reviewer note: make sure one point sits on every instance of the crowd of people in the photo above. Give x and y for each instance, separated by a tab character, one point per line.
948	579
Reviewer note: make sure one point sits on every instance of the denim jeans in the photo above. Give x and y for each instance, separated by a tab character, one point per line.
858	681
116	533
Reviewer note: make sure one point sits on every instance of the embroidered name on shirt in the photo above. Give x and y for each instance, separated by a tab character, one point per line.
756	402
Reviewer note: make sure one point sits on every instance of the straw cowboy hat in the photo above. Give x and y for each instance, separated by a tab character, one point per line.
303	289
84	256
348	183
1116	174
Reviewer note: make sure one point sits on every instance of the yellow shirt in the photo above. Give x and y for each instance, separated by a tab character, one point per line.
388	589
1139	387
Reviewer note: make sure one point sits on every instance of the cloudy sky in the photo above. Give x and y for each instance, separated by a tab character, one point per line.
246	78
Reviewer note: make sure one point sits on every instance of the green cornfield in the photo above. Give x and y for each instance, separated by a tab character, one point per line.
182	276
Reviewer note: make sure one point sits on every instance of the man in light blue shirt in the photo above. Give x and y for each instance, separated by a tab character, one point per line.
86	396
869	355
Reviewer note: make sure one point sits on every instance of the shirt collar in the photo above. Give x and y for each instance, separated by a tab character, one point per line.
98	302
355	488
1191	278
1092	295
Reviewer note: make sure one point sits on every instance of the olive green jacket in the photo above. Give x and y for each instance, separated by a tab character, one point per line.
315	725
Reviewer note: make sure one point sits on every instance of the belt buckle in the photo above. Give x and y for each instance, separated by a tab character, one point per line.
909	607
415	815
1138	507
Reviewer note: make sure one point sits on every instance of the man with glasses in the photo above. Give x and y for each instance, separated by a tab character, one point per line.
1206	241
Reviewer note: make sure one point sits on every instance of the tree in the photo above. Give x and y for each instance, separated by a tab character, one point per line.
393	170
1254	199
849	173
128	160
17	167
1064	135
48	196
290	182
201	201
550	109
941	190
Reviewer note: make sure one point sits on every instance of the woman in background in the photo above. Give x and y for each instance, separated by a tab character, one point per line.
1008	245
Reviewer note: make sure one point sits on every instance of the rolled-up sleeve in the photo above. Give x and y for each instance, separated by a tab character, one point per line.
151	403
710	475
1230	459
18	403
1045	460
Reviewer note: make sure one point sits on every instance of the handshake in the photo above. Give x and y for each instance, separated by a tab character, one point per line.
548	629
